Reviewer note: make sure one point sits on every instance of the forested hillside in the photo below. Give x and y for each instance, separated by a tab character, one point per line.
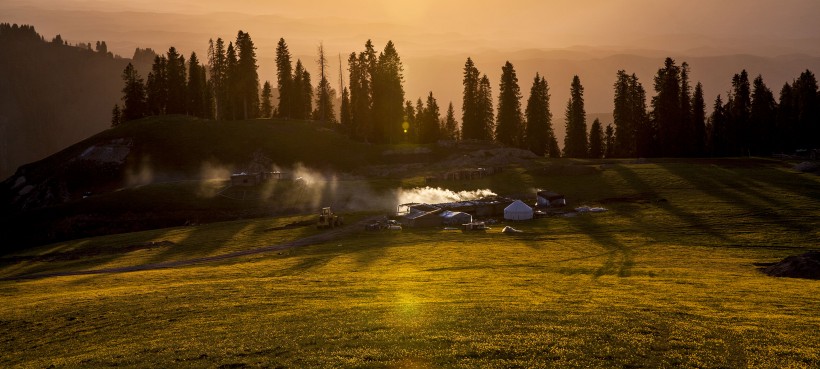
52	94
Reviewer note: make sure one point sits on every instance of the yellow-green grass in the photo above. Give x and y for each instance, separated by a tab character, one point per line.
667	280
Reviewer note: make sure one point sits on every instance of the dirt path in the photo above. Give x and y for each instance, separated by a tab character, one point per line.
311	240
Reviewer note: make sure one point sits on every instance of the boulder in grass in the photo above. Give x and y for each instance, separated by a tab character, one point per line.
805	266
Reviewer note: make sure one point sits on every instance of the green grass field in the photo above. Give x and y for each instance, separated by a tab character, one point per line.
666	278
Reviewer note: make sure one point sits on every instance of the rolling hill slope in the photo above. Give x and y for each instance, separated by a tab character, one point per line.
156	171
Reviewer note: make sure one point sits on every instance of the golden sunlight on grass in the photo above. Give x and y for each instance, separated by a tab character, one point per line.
671	283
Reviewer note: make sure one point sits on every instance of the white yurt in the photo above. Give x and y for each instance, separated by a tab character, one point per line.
518	210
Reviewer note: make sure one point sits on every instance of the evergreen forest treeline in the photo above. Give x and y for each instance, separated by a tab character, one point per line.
748	121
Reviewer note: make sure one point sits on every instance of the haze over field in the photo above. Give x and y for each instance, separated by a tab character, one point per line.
587	37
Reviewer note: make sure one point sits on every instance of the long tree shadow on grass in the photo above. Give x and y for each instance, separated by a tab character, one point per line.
687	217
763	206
619	260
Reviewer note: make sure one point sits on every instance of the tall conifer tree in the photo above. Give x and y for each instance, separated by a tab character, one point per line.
232	100
217	61
284	79
666	109
324	93
345	117
762	118
470	107
429	128
177	82
157	86
388	96
718	135
450	129
510	124
133	98
687	129
699	121
739	109
610	141
575	142
807	109
196	92
786	120
596	140
539	118
485	109
247	77
266	106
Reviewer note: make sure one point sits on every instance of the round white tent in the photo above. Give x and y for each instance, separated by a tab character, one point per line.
518	211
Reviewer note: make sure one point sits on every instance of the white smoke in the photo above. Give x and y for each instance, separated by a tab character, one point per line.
140	176
430	195
212	176
308	189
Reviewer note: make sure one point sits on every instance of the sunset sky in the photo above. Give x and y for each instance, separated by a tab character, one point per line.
434	37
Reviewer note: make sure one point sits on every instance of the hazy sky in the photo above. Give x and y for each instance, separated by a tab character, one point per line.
516	23
556	38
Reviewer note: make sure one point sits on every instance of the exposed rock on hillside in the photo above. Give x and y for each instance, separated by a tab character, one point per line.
805	266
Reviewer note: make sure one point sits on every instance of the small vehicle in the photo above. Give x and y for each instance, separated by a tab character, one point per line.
474	227
380	225
328	220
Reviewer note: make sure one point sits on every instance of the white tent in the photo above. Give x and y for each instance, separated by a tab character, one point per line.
518	211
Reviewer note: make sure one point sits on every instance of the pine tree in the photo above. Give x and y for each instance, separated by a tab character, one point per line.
539	118
116	116
575	142
807	109
740	104
666	109
324	93
786	120
610	141
485	109
596	140
762	117
134	106
266	106
621	114
362	69
471	122
247	76
631	124
450	124
217	61
196	92
699	121
646	132
345	116
388	96
359	96
231	109
510	124
718	140
687	129
157	86
303	99
284	79
429	125
420	114
412	125
177	82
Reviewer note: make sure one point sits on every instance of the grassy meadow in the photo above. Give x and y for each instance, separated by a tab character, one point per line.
668	277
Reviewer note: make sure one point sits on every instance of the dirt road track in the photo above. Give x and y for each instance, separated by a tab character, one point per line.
312	240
